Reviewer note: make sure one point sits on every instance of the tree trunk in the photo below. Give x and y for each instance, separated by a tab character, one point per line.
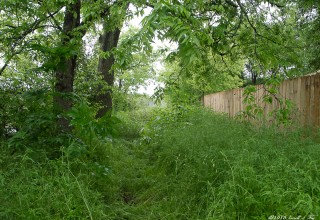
65	72
254	78
108	40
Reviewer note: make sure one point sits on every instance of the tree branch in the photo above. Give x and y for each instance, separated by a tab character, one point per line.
272	3
56	23
229	2
254	28
243	11
84	23
32	27
149	5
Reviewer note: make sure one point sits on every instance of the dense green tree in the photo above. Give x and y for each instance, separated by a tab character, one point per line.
213	74
309	24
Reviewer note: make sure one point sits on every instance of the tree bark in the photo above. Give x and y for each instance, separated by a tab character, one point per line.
254	78
108	40
65	72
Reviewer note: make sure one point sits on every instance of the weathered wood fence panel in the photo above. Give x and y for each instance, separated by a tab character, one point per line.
304	92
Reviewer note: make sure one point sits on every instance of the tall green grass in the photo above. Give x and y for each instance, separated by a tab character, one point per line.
210	167
181	163
45	189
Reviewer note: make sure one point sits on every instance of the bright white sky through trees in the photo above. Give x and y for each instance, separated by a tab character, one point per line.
152	84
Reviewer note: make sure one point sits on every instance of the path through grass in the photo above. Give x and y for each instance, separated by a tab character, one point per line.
189	164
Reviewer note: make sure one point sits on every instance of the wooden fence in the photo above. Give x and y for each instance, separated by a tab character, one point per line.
304	92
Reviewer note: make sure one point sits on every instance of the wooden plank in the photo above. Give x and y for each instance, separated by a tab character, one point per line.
298	91
241	99
303	101
312	101
307	103
291	92
317	100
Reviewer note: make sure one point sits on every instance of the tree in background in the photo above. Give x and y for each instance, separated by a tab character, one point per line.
309	23
187	85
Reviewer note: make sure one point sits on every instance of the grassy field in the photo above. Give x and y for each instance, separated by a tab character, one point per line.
168	164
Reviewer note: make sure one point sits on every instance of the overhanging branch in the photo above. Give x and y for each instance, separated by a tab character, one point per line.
18	39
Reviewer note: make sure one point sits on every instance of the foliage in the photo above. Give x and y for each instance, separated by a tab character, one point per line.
131	102
188	85
33	187
252	109
309	22
179	162
283	114
164	162
227	170
214	41
31	125
85	123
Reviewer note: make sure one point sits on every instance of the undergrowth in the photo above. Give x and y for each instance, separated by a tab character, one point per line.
178	163
210	167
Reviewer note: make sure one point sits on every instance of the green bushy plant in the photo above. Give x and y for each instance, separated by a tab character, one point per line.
282	115
34	124
87	126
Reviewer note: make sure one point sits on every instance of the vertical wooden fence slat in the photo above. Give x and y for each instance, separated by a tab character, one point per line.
317	97
298	91
316	100
303	98
307	97
312	101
